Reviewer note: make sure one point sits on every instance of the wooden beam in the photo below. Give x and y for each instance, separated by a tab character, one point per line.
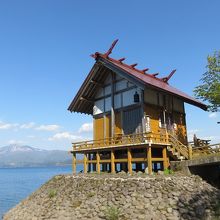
165	162
96	83
85	163
129	161
140	159
86	99
112	161
159	159
92	161
121	160
105	161
74	163
98	162
149	160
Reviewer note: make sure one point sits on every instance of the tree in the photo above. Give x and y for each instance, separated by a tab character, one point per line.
209	90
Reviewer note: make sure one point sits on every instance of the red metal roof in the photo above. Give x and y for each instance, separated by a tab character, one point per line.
146	79
150	79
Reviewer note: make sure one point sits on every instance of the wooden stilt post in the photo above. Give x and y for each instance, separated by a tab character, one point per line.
85	163
74	163
112	161
149	160
165	162
129	161
97	162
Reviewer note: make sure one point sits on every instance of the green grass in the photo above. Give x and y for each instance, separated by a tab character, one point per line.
112	213
168	171
52	193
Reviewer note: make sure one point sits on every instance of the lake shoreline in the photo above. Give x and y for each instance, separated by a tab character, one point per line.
18	183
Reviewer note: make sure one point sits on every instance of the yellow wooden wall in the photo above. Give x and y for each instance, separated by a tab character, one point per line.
154	113
180	132
108	126
98	128
118	125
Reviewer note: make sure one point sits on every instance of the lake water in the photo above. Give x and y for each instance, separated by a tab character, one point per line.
18	183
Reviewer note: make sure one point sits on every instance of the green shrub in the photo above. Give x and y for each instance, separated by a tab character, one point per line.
52	193
112	213
168	171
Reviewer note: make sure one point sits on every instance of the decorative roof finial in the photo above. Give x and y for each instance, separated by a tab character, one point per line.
166	79
121	59
145	70
111	48
133	65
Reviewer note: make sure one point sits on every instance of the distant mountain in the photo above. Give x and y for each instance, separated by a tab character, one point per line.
26	156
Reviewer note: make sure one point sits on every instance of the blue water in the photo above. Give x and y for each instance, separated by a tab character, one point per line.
18	183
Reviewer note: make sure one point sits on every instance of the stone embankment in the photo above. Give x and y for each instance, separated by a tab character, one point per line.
120	196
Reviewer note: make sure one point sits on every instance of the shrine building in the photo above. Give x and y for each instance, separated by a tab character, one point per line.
139	120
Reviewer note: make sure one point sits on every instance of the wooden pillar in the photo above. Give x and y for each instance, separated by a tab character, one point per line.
129	161
74	163
165	162
112	106
97	162
85	160
149	160
112	161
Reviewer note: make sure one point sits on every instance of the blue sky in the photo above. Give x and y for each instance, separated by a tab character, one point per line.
44	58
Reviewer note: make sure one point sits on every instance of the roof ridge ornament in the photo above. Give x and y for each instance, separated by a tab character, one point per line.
111	48
167	78
155	74
133	65
121	59
145	70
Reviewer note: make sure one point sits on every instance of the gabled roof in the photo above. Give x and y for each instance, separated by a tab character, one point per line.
83	101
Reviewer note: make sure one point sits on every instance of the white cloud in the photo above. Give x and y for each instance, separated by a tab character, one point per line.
191	133
64	136
5	126
87	127
27	126
48	127
213	115
15	142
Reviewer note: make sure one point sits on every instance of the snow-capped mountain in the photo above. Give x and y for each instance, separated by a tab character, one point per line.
20	156
18	148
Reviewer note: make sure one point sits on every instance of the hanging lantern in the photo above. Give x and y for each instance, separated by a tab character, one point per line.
136	97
